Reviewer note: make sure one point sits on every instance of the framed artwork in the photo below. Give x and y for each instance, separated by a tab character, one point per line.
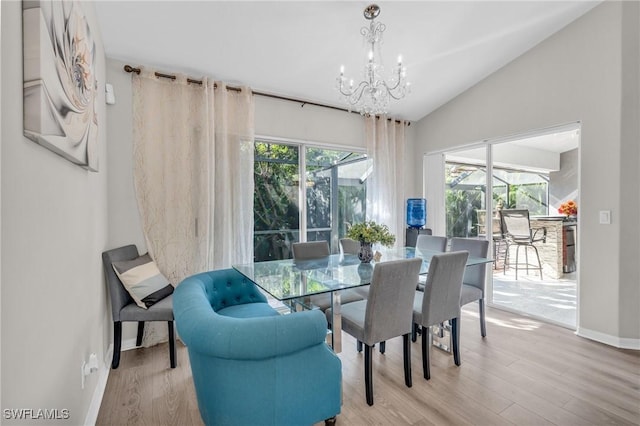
60	87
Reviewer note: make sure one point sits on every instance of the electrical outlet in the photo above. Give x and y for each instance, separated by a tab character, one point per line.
605	217
88	367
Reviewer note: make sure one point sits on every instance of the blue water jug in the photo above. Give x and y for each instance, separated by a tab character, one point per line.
416	212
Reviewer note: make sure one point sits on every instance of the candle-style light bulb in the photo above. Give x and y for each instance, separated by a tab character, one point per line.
399	59
341	70
370	55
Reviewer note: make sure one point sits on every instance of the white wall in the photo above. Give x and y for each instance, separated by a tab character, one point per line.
54	227
578	74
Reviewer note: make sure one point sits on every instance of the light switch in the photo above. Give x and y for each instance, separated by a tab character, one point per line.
605	217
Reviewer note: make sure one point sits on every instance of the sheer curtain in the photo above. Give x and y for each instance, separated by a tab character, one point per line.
386	187
232	236
193	175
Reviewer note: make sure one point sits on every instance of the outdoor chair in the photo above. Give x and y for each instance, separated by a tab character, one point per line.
518	232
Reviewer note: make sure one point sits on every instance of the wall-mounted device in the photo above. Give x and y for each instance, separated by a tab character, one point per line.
109	95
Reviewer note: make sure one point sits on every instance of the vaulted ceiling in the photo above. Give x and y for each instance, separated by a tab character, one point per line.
296	48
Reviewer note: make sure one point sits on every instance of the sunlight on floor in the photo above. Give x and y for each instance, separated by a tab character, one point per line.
554	300
518	323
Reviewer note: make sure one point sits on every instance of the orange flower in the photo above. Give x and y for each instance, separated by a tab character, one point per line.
568	208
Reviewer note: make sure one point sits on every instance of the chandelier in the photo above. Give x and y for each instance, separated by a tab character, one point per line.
373	93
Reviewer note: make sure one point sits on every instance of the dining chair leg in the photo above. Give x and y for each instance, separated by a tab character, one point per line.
172	345
455	340
426	347
414	332
368	374
117	341
383	346
359	346
406	350
483	324
140	333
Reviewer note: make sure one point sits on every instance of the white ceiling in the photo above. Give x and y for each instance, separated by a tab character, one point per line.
295	48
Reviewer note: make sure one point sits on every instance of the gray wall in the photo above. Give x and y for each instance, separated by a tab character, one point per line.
54	227
587	72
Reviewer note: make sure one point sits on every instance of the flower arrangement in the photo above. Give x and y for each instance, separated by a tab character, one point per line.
371	232
570	208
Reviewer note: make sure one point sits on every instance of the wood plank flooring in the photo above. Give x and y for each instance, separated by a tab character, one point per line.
524	372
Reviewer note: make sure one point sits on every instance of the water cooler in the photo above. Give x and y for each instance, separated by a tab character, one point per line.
416	220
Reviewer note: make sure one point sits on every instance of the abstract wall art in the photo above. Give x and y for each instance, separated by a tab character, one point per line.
60	86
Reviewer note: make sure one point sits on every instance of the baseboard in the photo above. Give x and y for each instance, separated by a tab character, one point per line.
127	345
618	342
98	392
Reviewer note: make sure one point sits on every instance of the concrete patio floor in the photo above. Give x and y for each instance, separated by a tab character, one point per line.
553	300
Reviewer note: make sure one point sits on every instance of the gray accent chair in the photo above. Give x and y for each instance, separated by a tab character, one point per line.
440	302
473	283
123	307
317	250
385	314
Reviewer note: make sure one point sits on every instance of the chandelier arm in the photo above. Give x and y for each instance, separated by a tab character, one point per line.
355	95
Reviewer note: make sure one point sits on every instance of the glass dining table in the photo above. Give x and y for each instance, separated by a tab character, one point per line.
293	282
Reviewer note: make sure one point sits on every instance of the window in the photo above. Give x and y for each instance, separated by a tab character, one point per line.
289	208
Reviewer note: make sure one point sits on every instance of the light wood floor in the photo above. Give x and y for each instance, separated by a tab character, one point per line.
524	372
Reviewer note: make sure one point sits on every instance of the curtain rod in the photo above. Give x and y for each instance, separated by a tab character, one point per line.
130	69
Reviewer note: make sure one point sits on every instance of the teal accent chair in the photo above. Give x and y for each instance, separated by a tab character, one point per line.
250	365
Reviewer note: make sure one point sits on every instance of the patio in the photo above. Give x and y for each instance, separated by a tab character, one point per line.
553	300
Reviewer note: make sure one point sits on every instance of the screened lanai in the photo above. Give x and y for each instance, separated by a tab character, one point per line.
466	187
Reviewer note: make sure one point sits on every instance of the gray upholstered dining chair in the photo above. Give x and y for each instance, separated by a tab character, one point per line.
475	277
440	302
496	234
310	250
315	250
431	243
385	314
517	231
124	308
349	246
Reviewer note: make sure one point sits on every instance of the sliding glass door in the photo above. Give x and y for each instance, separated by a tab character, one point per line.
305	193
534	173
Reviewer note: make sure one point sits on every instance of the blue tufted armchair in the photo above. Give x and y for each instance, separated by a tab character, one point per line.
252	366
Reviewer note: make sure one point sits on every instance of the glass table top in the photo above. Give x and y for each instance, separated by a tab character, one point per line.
290	279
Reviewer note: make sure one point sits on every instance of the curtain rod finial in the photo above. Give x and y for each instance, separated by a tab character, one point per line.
129	68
